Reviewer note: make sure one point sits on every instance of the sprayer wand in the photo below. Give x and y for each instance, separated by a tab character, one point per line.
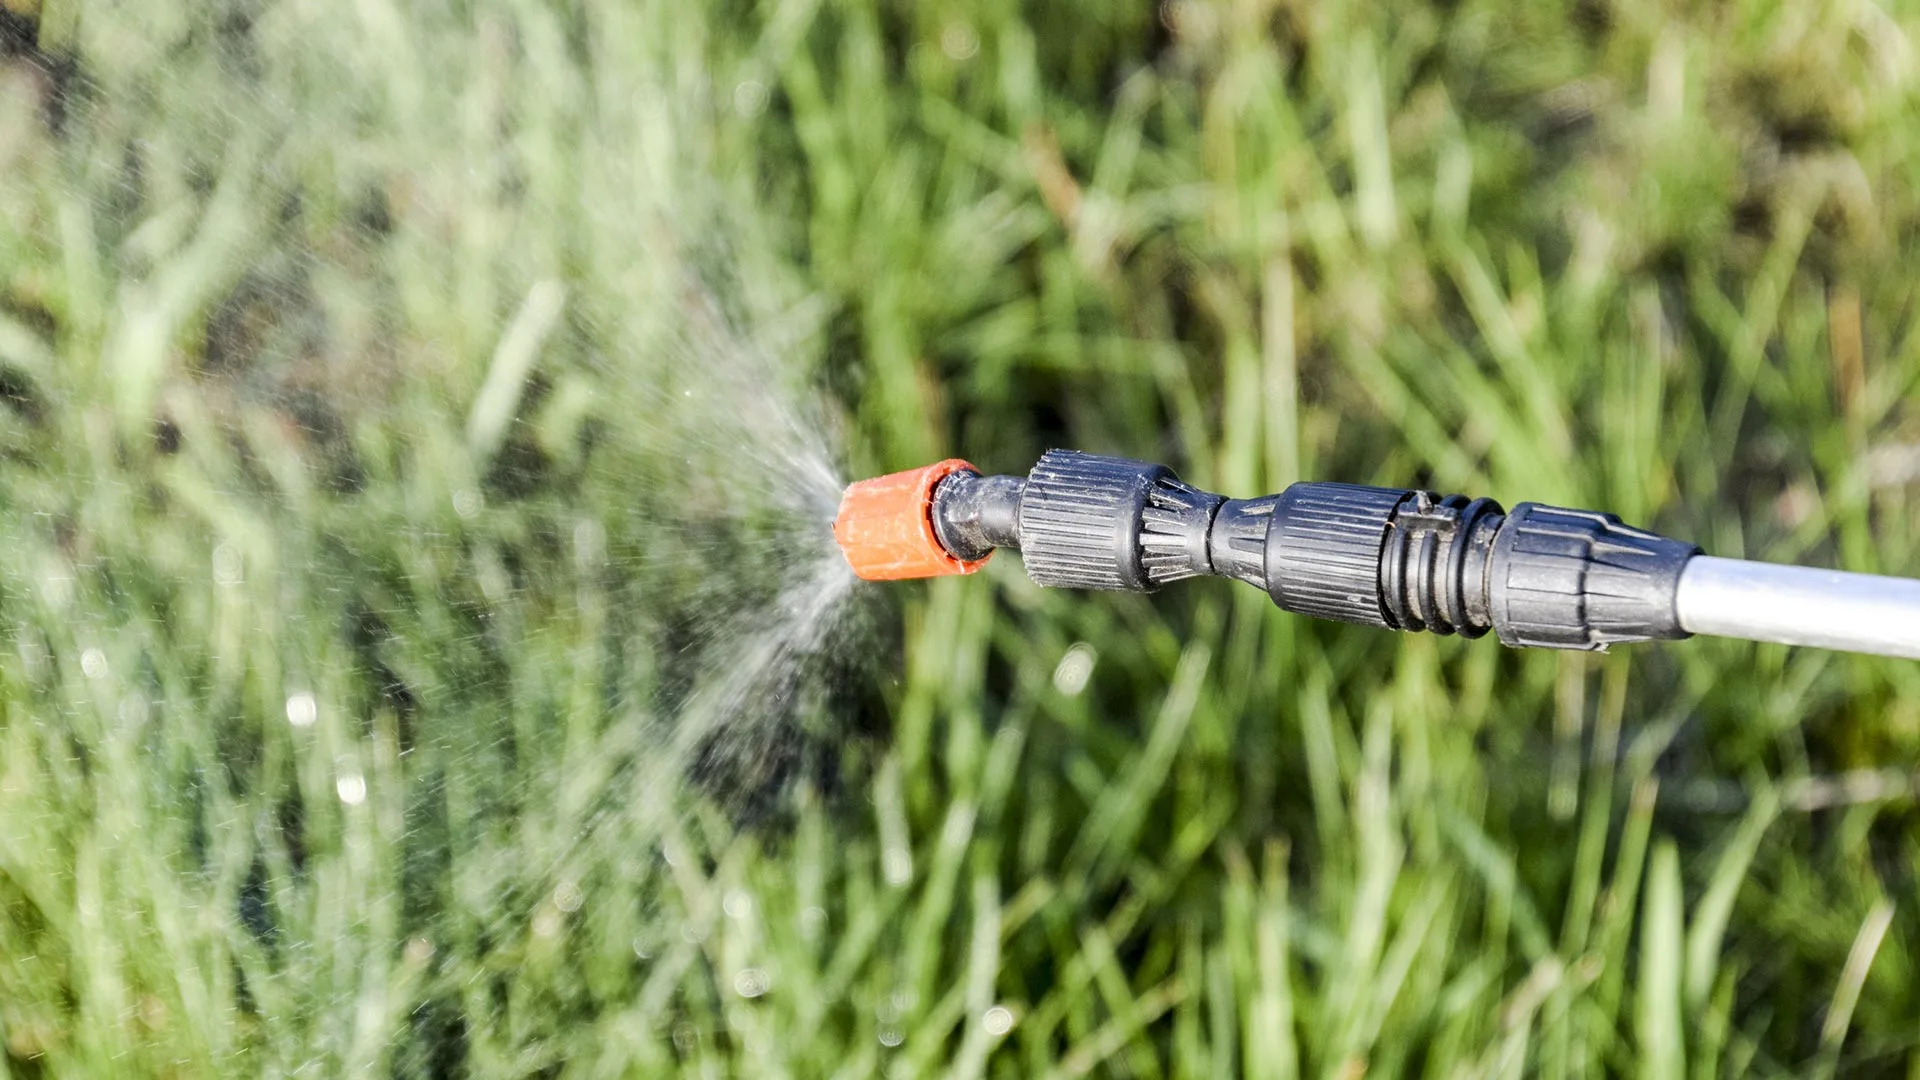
1541	576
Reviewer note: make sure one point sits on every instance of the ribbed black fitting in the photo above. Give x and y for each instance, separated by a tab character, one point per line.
1578	579
1391	557
1323	550
1237	542
1080	520
1433	563
1174	527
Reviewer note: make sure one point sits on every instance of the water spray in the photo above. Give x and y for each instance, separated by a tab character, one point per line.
1536	576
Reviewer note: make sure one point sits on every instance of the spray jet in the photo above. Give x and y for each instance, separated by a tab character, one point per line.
1538	576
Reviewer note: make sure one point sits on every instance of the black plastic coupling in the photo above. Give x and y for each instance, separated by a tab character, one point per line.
1408	560
1094	522
1390	557
974	514
1413	560
1577	579
1082	521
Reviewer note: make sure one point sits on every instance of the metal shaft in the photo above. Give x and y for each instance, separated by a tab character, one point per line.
1797	605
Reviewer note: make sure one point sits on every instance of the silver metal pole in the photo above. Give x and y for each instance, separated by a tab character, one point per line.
1797	605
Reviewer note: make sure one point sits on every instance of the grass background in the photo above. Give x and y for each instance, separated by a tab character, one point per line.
260	261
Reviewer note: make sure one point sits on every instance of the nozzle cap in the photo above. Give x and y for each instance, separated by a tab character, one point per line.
885	526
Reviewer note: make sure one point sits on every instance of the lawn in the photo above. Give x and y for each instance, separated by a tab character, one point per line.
424	654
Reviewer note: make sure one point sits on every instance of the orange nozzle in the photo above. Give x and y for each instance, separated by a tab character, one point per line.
885	526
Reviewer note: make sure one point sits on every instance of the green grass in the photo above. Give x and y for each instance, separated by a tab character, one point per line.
340	345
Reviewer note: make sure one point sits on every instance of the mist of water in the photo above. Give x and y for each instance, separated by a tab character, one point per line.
750	487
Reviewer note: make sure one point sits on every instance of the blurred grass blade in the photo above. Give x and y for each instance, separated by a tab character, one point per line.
1853	977
1710	915
1657	1018
499	398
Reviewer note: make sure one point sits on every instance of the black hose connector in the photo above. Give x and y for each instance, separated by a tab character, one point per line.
1080	520
1434	559
1094	522
1541	576
1390	557
974	514
1576	579
1323	550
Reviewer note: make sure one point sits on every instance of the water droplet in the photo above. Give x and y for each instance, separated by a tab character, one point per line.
352	788
692	934
418	951
749	99
227	566
997	1020
959	40
812	920
685	1037
642	948
466	502
567	896
738	905
302	710
93	663
750	983
891	1035
1075	668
